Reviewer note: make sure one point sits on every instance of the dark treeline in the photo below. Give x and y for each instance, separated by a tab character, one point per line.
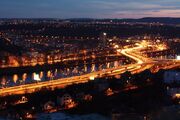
164	20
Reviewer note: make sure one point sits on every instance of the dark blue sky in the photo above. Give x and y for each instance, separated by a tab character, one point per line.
89	8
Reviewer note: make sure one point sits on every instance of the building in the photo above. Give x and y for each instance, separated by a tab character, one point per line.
171	76
66	101
49	105
103	40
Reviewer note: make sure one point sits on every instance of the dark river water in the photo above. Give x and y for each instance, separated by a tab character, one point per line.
26	78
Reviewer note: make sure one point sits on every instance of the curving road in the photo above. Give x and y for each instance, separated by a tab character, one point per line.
141	65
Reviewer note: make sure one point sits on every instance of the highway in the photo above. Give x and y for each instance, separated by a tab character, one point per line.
141	64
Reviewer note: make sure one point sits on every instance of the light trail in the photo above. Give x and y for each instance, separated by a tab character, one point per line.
141	65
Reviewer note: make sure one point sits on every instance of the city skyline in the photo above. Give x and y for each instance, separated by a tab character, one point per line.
89	8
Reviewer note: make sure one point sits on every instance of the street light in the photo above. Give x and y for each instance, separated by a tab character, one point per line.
116	46
104	34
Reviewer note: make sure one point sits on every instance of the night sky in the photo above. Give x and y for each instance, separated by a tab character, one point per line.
89	8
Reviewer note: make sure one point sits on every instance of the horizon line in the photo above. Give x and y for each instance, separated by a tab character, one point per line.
78	18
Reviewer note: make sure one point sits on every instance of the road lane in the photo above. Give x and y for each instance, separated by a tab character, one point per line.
141	65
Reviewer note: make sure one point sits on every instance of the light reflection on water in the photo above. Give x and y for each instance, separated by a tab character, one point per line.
25	78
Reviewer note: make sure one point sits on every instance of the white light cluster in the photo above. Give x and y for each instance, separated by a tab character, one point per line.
178	57
36	77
